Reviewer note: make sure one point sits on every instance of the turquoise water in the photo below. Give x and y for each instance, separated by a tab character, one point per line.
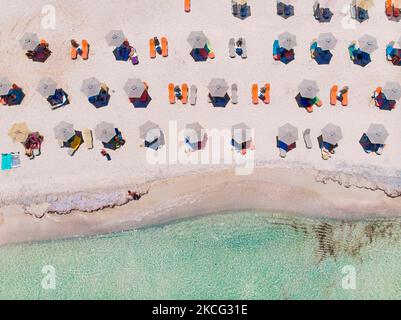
225	256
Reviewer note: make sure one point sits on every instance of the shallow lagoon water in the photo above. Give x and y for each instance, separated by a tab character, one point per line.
248	255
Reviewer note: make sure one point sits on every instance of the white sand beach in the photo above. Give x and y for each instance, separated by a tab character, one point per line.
351	185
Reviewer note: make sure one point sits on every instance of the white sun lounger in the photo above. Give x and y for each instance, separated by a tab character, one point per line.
234	93
231	48
88	138
193	95
244	51
307	139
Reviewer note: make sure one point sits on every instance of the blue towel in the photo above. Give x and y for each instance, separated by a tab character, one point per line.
6	161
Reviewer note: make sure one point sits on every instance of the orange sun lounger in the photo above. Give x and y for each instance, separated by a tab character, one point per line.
85	49
187	5
184	93
152	48
396	9
267	94
255	94
171	93
333	95
74	53
164	47
377	92
389	8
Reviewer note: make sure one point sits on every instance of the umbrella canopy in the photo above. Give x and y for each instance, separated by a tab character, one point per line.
64	131
368	43
5	86
326	3
308	89
29	41
287	2
287	40
377	134
91	87
241	133
134	88
47	87
197	39
288	134
218	88
146	128
327	41
365	4
392	90
115	38
194	133
332	134
19	132
105	132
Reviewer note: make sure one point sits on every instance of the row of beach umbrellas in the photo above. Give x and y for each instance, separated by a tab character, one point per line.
198	40
241	133
218	87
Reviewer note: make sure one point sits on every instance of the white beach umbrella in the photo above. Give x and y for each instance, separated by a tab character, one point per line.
134	88
29	41
392	90
332	134
5	86
194	133
377	134
287	40
197	39
241	133
368	43
218	87
91	87
47	87
327	41
308	89
115	38
64	131
288	134
105	132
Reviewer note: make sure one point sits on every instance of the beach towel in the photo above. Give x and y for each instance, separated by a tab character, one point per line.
6	161
16	160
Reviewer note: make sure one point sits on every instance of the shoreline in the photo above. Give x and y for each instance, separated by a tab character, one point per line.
312	193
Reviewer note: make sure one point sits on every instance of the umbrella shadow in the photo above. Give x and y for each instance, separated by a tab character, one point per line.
285	11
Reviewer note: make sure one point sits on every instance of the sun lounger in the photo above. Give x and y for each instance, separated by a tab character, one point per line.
88	138
396	9
307	139
389	8
193	95
171	93
152	48
164	47
255	94
184	90
283	153
75	144
333	95
74	53
266	97
85	50
187	5
231	48
244	51
234	93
